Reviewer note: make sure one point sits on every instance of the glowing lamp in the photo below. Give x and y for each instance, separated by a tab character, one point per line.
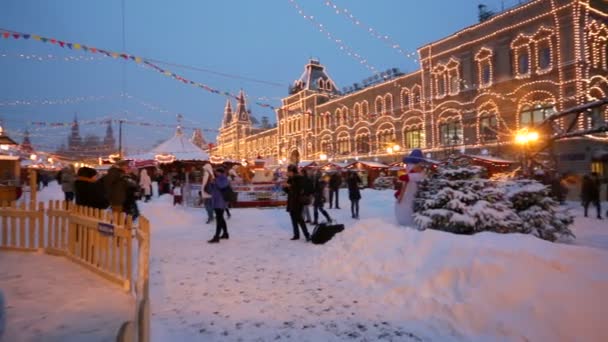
32	156
396	148
4	147
50	160
389	150
323	156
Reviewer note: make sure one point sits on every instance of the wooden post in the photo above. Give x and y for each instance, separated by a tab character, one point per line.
33	185
40	219
22	209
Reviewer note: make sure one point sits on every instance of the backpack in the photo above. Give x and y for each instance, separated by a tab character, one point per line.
228	194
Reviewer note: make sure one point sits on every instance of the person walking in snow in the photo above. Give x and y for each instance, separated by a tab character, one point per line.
208	178
177	193
115	185
145	182
590	193
296	198
354	193
404	206
218	186
68	177
335	181
319	197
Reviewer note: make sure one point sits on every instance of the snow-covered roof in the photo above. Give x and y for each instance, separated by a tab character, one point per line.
337	165
306	163
179	146
5	157
370	164
492	159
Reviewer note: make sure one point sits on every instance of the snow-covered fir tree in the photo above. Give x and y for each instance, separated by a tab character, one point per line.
460	200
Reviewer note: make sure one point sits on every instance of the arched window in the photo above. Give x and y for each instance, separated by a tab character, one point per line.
388	104
523	63
365	110
414	137
488	127
450	133
356	113
378	106
362	143
405	99
531	116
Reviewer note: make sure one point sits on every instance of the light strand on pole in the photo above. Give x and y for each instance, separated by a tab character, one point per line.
339	42
373	32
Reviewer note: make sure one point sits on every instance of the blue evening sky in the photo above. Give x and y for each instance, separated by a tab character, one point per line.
266	40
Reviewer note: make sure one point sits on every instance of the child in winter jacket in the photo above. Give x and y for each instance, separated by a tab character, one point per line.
177	193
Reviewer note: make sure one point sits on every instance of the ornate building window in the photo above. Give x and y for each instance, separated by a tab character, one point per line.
488	128
453	74
405	99
385	136
533	115
364	110
597	45
414	138
543	40
440	78
362	143
388	104
416	97
378	106
343	143
521	56
484	67
450	133
356	113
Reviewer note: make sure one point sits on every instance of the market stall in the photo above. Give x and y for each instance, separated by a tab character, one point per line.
368	171
10	178
262	190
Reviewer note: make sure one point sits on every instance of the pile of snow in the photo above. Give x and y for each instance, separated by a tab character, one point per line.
482	287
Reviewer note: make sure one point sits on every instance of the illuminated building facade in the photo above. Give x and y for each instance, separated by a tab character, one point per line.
473	91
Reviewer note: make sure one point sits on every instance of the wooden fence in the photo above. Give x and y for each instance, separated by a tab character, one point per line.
103	242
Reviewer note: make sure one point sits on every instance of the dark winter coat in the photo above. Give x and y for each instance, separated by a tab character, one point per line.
591	190
319	196
217	187
353	182
335	181
115	185
90	193
295	192
131	194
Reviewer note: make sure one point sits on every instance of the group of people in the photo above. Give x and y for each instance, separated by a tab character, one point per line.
119	189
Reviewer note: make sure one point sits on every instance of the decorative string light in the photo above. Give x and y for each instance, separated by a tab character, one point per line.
373	32
61	101
339	42
51	57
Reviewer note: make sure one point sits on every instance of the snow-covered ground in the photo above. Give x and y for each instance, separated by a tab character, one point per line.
374	281
49	298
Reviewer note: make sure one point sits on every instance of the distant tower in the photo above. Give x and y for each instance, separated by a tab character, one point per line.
26	145
227	114
198	139
75	140
109	143
242	114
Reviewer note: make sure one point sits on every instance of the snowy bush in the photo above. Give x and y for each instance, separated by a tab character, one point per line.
459	200
541	215
383	183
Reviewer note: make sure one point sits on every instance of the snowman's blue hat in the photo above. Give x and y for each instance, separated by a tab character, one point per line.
415	157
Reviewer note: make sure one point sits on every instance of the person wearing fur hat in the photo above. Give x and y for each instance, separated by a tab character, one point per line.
404	206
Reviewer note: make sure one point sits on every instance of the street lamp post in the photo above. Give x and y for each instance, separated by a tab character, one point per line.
524	137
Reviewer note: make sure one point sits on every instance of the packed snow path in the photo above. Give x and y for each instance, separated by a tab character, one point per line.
375	281
49	298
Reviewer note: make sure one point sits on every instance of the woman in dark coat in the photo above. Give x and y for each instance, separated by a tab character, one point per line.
218	187
319	198
88	190
590	193
295	198
354	193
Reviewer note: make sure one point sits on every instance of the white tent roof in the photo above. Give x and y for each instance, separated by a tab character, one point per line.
179	146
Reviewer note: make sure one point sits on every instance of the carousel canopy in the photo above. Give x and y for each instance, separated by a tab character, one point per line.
177	147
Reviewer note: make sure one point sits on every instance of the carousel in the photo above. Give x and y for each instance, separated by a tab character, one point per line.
257	185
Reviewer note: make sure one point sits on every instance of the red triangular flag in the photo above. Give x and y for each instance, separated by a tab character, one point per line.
93	50
16	35
53	41
6	35
62	44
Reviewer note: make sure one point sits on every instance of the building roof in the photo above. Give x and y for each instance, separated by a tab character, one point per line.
315	78
179	146
369	164
4	140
